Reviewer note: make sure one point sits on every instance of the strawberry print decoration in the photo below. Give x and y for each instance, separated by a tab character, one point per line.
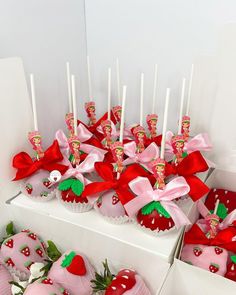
231	269
73	272
227	201
124	282
20	251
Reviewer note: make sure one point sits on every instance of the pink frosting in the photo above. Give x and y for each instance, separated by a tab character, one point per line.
139	288
108	206
205	256
21	261
38	183
76	285
5	278
38	288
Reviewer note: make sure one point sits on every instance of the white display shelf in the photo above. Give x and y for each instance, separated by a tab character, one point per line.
125	245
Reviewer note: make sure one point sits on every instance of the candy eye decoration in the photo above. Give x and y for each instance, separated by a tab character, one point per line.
55	176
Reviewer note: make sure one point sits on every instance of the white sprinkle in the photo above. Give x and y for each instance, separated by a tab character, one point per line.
123	286
227	201
125	277
169	224
226	192
153	221
141	222
214	190
160	215
126	270
216	196
113	288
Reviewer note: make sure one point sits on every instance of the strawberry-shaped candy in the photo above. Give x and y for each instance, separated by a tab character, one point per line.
22	253
71	195
73	272
39	251
45	286
125	282
231	269
227	201
218	250
5	278
33	236
197	251
214	267
37	188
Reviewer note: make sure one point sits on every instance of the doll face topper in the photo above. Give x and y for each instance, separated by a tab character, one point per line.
140	138
152	124
90	110
213	221
74	145
158	169
177	143
36	141
185	126
117	149
70	122
106	128
117	112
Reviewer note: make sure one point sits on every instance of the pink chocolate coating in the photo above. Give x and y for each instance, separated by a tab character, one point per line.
139	288
76	285
38	288
5	278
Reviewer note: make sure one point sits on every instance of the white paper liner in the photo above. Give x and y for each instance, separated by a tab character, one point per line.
73	206
155	232
118	220
22	276
39	198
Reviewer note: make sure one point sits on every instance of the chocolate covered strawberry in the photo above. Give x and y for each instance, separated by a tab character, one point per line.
125	282
154	217
231	269
73	272
227	201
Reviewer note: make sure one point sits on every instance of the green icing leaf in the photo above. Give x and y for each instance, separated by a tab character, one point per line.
77	187
233	258
221	211
53	253
68	259
66	184
155	205
10	229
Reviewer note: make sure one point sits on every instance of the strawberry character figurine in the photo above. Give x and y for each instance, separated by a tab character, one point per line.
158	169
117	114
36	141
185	127
213	221
140	138
177	143
117	149
152	124
106	128
74	144
70	123
90	109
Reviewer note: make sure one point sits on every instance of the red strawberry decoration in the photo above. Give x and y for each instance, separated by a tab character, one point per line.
71	191
9	243
39	251
231	269
99	202
74	264
115	200
47	281
46	182
197	251
214	267
33	236
65	292
29	188
25	250
155	217
9	262
218	250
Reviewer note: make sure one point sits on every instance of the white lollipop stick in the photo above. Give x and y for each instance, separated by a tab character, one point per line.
69	86
164	128
89	79
118	79
181	107
190	90
154	90
74	103
122	121
216	206
141	99
109	95
33	102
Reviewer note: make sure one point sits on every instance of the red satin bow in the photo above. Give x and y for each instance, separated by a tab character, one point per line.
224	238
157	140
120	186
191	165
26	166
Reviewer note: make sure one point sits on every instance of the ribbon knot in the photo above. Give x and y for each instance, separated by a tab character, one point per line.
26	166
142	187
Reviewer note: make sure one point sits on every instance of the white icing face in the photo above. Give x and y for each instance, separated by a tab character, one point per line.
55	176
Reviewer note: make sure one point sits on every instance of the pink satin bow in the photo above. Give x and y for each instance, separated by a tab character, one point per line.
230	218
146	194
144	158
84	135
